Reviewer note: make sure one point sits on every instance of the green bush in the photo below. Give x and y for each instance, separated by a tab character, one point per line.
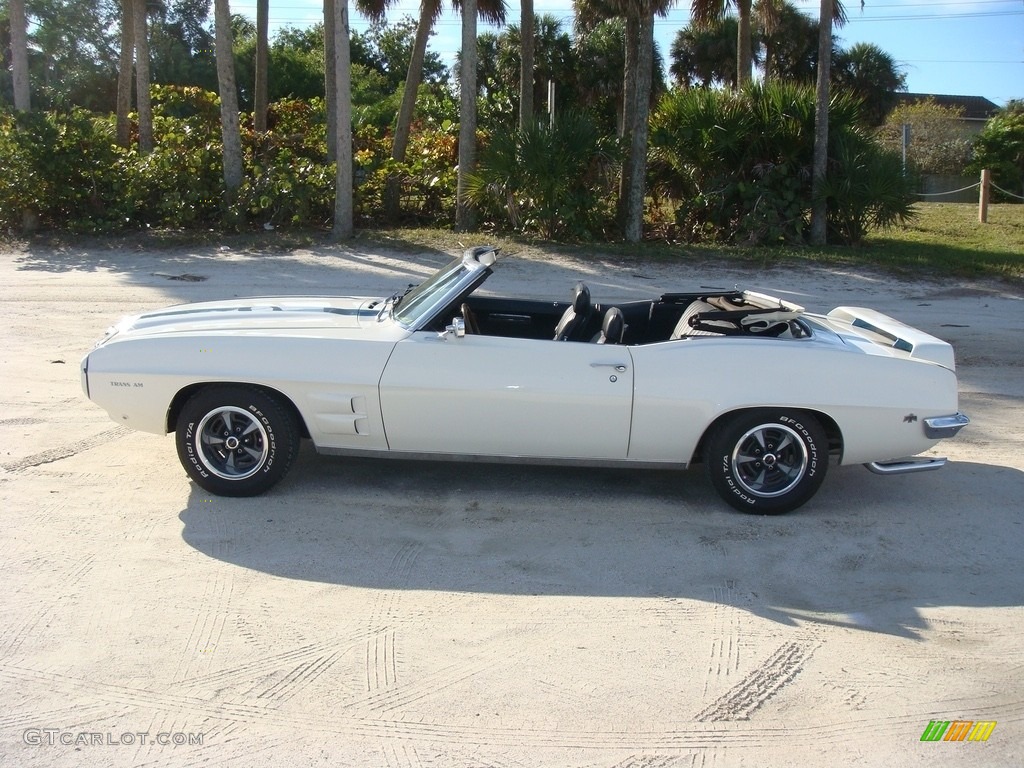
545	179
62	168
180	183
287	177
940	142
866	190
1000	148
22	189
65	169
427	177
740	165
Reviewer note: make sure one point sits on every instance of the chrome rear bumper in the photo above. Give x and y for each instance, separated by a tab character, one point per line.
940	427
902	466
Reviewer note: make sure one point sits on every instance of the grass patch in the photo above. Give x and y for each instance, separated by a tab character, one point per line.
947	239
944	239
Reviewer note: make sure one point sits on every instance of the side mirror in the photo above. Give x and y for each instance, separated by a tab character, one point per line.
458	328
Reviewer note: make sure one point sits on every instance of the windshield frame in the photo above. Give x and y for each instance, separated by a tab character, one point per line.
419	305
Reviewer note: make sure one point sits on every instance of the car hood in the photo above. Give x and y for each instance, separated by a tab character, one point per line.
278	313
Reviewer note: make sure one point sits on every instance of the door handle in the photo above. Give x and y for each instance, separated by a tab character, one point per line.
620	367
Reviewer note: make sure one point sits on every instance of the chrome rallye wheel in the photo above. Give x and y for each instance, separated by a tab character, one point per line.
767	462
236	440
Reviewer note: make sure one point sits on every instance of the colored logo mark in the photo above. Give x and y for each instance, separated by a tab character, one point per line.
958	730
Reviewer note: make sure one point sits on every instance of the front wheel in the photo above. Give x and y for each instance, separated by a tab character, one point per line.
767	462
236	440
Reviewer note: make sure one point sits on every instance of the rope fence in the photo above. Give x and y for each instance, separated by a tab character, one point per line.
984	187
975	185
951	192
996	186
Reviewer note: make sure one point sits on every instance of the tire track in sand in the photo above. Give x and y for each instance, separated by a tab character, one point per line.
65	451
758	686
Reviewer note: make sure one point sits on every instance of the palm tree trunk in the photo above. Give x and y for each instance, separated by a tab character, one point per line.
637	160
744	45
343	228
124	73
526	66
330	83
819	205
142	77
231	138
260	94
629	94
19	56
464	218
22	94
403	127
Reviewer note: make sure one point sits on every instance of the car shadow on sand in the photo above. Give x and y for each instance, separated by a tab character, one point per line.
867	552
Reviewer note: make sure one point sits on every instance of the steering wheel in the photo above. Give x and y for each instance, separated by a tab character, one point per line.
471	324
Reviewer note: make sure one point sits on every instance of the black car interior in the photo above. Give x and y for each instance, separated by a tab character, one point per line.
576	317
671	316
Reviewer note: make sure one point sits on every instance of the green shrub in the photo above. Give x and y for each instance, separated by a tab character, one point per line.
63	168
427	177
1000	148
22	189
740	165
545	179
287	177
180	183
867	190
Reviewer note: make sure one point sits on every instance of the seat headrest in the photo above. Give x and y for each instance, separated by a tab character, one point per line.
580	298
613	326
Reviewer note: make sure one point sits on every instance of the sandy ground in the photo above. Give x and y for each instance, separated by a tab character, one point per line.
377	613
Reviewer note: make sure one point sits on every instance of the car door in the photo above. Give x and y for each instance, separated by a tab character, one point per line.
496	396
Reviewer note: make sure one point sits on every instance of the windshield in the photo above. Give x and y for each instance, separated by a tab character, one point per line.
410	308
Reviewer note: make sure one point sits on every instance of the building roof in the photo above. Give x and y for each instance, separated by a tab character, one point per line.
974	107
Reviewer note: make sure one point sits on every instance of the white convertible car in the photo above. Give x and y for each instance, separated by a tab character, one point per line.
760	391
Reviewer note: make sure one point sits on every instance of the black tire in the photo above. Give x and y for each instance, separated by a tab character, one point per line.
767	462
235	440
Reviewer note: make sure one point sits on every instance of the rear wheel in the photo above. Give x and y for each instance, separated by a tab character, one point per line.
235	440
767	462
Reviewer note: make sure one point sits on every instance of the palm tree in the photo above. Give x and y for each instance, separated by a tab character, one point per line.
492	11
464	218
790	42
330	82
767	13
124	72
19	56
139	18
260	97
499	62
831	10
526	66
637	82
637	88
599	84
231	137
22	97
872	74
342	65
705	13
705	54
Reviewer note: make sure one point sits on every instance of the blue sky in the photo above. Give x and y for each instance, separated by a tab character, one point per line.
965	48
